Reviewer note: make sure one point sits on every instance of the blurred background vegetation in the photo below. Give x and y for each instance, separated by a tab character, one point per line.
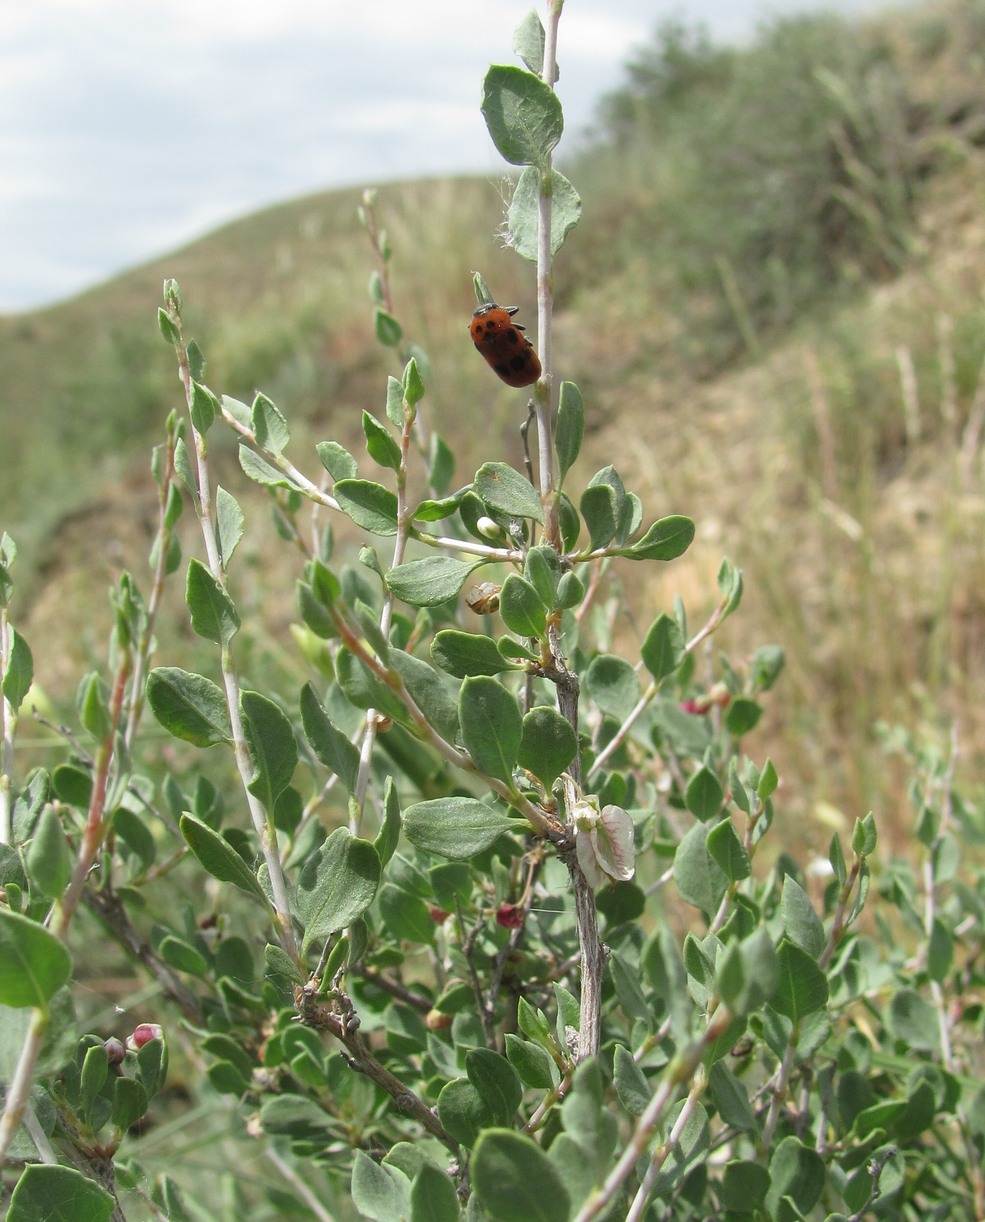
772	307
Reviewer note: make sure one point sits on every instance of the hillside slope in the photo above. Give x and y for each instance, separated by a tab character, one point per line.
840	465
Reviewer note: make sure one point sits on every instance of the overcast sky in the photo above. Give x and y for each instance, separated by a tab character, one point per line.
128	127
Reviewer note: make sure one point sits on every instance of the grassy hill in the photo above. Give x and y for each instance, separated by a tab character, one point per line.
773	310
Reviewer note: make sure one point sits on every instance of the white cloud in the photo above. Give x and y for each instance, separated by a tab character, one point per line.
126	127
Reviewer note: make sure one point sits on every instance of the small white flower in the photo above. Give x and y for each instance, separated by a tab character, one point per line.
604	842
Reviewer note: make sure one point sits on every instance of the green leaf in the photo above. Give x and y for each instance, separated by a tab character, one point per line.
496	1081
491	726
269	426
548	744
940	951
190	706
465	653
433	1197
462	1111
742	716
454	827
229	524
428	582
218	857
363	688
570	428
272	746
19	674
542	569
93	706
34	964
329	744
412	382
523	115
662	650
796	1171
801	923
631	997
747	972
95	1069
704	794
389	833
633	1089
212	612
729	851
336	460
522	216
203	407
515	1181
436	511
532	1062
570	591
522	608
261	472
613	684
803	987
388	331
130	1102
913	1020
404	916
49	859
506	490
368	504
380	443
699	877
528	42
599	506
380	1192
58	1194
731	1098
665	540
430	691
338	883
744	1185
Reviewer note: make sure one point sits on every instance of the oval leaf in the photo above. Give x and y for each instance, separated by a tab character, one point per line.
34	965
428	582
491	726
454	827
190	706
522	113
218	856
515	1179
337	885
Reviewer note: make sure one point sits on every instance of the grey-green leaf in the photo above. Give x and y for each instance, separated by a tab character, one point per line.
455	827
522	217
522	113
515	1181
491	725
429	582
548	744
190	706
368	504
272	746
327	741
505	489
338	883
218	857
212	612
34	964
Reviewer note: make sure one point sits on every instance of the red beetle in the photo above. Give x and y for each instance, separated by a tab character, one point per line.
503	345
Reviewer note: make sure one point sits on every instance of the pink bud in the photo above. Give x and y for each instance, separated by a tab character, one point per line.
510	916
143	1033
115	1052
